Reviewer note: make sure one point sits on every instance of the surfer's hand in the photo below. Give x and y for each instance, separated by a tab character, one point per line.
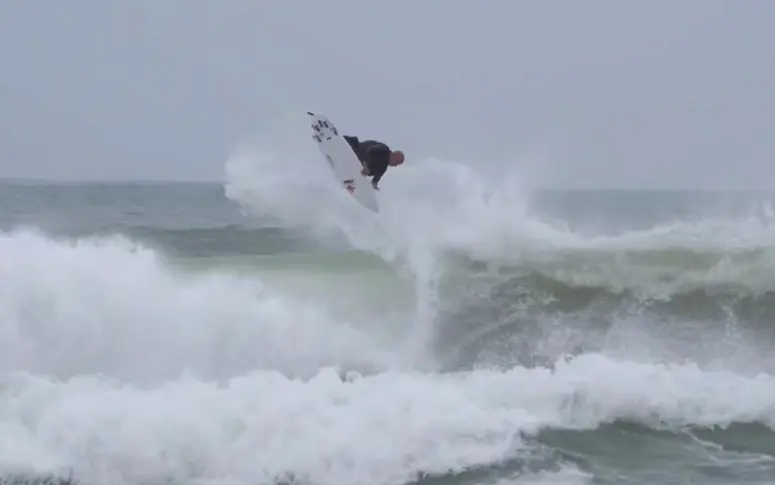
365	171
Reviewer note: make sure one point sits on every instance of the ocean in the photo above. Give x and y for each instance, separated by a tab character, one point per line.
258	332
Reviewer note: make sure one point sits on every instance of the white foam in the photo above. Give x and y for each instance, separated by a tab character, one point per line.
377	429
109	306
432	206
180	377
164	376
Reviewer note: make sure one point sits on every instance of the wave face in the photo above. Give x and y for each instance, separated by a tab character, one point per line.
474	333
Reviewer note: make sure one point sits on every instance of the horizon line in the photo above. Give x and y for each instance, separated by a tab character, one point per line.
139	181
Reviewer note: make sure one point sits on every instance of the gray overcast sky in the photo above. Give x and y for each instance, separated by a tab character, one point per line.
658	93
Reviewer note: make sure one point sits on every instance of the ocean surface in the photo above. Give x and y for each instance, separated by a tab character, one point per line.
265	331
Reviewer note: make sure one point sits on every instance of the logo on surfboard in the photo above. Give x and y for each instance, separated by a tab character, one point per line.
349	185
320	127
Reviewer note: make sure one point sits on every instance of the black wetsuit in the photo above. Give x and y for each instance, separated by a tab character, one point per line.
374	154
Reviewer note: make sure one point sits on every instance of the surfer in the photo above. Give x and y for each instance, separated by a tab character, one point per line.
375	157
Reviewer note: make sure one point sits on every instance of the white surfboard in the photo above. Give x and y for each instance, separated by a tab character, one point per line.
343	161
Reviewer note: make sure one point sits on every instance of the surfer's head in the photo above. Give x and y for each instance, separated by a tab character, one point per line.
396	158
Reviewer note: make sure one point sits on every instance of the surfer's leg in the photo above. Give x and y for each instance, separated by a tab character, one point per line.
366	170
352	141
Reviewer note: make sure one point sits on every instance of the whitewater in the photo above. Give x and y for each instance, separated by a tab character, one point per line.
270	331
